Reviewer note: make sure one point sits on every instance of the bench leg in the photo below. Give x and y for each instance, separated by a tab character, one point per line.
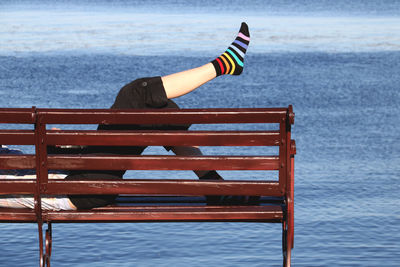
49	240
45	256
40	231
286	244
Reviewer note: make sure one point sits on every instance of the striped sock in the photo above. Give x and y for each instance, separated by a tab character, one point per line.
231	61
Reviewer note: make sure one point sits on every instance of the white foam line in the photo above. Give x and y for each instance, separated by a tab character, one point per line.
144	34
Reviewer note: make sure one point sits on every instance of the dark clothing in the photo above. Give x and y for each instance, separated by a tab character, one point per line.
144	93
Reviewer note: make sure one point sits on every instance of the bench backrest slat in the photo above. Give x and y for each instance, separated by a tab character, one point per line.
17	137
147	138
18	162
166	187
165	116
12	186
87	162
17	115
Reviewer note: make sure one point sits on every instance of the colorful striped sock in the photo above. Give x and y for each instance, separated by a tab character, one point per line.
231	61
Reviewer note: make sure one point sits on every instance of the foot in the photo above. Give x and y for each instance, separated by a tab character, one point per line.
231	61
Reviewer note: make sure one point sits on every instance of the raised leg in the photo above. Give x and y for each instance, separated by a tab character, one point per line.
230	62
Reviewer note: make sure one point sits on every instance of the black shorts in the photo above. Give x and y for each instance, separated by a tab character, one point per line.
144	93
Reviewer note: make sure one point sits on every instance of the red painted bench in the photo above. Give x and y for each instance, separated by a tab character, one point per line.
152	200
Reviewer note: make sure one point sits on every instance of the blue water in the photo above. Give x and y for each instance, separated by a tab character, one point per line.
336	62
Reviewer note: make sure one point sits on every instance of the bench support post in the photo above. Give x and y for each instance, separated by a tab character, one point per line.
40	231
288	222
41	182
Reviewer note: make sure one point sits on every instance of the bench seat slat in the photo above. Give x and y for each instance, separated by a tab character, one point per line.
172	138
17	215
270	213
85	162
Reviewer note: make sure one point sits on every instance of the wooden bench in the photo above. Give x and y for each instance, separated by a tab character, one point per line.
154	200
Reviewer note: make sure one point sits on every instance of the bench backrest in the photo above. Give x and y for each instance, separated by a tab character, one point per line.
41	137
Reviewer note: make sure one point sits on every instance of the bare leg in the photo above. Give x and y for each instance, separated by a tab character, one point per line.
184	82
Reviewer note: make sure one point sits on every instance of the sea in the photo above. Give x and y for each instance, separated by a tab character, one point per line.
337	63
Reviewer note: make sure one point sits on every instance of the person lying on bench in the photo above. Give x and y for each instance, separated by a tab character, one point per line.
148	93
